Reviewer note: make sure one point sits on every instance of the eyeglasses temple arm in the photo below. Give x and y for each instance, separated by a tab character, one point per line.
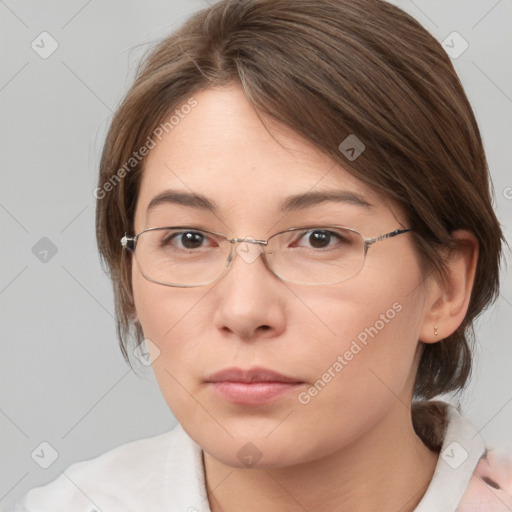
396	232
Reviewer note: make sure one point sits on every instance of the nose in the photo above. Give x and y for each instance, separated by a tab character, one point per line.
250	299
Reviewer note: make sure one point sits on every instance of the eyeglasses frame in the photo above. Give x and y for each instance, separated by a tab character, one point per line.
130	244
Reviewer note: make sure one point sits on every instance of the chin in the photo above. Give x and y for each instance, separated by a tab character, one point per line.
285	448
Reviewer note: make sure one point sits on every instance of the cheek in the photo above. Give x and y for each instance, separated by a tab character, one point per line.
172	318
371	337
164	311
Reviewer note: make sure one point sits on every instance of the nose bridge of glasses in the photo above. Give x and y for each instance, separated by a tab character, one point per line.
249	239
249	253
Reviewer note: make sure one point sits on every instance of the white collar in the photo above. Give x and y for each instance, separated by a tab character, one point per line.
185	474
459	455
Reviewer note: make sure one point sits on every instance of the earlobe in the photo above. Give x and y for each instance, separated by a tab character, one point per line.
448	301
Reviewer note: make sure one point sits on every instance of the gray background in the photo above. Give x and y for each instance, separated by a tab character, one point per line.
63	379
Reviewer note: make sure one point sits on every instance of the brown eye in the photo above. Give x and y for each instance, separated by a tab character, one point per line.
319	239
191	239
184	240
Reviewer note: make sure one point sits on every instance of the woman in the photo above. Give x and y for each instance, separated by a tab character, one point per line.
295	211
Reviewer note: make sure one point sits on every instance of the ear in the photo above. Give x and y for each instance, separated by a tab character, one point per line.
447	302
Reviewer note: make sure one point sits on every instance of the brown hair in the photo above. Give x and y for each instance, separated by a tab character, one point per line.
327	69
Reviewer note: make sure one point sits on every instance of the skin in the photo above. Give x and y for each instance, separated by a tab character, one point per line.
352	447
490	487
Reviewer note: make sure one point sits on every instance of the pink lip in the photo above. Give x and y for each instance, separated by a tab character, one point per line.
256	386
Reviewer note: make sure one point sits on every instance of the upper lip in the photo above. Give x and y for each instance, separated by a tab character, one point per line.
250	375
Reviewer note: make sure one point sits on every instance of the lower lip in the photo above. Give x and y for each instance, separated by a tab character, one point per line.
253	393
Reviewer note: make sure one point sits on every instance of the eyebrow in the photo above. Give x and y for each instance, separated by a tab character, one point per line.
302	201
182	198
292	203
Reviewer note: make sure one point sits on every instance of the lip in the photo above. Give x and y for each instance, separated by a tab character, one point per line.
255	386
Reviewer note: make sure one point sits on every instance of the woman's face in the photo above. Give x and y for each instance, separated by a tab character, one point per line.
348	349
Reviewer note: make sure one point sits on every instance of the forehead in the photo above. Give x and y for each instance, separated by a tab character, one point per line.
221	149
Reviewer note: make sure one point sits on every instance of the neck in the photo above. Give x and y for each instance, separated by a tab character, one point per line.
389	469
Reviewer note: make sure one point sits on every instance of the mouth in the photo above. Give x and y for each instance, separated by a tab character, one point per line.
256	386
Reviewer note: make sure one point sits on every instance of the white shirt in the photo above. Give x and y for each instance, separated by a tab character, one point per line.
165	474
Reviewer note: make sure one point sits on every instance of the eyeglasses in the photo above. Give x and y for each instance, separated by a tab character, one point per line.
189	257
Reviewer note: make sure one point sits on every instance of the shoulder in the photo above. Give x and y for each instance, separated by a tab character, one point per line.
120	479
